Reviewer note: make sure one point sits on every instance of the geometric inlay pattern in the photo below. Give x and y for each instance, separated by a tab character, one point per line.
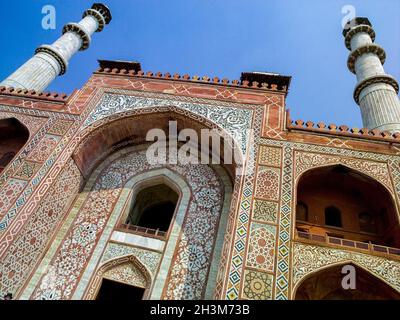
265	211
60	127
257	285
9	193
192	257
267	183
310	258
126	273
270	156
44	148
27	170
31	242
150	259
285	216
239	226
261	247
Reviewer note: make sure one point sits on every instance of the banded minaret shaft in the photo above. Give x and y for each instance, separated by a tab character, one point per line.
52	60
376	91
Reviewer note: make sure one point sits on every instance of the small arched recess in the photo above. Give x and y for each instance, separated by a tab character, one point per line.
124	278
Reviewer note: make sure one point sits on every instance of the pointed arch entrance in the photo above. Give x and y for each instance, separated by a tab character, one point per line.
120	144
121	279
326	284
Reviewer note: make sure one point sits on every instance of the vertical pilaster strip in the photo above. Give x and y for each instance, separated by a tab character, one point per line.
284	227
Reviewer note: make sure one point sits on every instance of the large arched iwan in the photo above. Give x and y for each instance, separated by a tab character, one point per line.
343	203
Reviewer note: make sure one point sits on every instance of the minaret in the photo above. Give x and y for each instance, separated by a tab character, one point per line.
376	91
52	60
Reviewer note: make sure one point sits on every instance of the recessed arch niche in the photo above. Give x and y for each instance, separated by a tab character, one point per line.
345	203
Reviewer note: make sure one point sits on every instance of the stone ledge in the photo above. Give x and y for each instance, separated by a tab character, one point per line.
342	130
275	82
50	96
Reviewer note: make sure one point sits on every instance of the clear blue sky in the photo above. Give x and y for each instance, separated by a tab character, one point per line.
217	38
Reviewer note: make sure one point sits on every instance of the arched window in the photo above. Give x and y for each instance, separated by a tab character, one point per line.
153	208
301	211
13	136
333	217
367	222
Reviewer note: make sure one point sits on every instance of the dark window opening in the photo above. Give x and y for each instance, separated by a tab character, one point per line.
6	159
116	291
301	211
333	217
367	222
385	217
390	242
153	208
13	136
157	216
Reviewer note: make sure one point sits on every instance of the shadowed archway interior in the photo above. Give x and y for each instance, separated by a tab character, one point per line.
327	285
13	136
116	291
340	202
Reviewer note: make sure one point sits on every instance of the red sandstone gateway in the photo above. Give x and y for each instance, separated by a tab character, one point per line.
85	215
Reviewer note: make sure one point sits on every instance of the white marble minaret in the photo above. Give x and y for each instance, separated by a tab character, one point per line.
376	91
50	61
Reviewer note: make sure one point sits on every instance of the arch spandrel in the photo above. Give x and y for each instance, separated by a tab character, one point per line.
222	114
305	161
309	259
130	127
338	271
